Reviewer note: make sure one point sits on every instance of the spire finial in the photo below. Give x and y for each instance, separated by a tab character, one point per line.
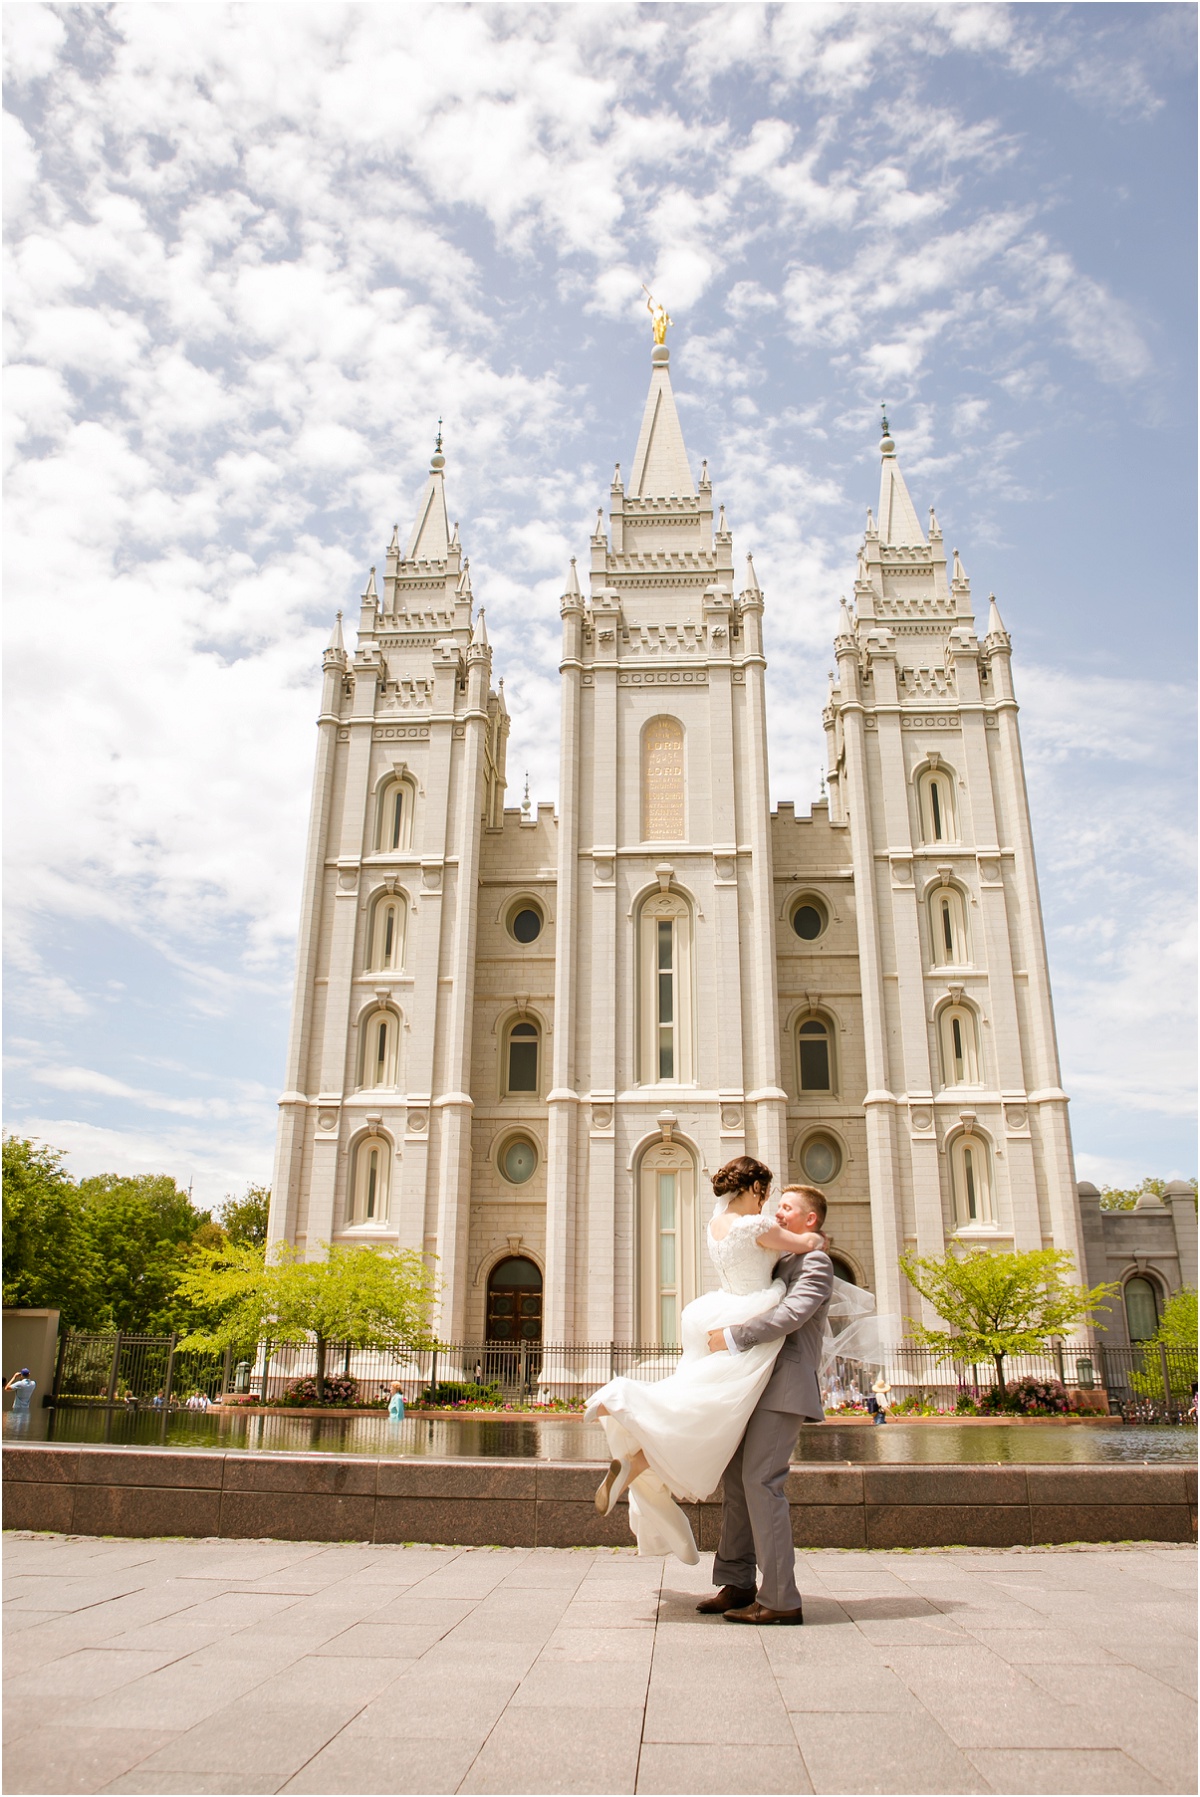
437	460
525	802
660	316
885	442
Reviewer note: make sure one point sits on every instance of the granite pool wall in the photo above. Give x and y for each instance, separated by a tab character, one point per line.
323	1497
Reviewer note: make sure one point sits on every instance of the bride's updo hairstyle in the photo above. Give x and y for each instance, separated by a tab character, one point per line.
740	1176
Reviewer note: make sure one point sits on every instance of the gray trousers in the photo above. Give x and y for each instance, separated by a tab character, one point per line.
756	1522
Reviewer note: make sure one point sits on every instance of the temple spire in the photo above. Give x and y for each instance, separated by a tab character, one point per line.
660	462
898	526
430	541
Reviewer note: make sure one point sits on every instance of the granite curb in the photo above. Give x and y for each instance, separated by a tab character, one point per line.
324	1497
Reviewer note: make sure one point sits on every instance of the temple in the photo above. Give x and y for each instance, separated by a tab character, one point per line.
522	1040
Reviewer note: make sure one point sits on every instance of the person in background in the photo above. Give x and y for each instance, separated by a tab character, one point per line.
396	1404
877	1403
22	1386
479	1372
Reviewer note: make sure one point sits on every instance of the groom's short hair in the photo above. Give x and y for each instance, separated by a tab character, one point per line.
815	1201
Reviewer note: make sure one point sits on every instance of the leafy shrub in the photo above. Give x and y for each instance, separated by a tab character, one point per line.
912	1405
1026	1397
966	1404
447	1394
339	1391
1040	1397
240	1397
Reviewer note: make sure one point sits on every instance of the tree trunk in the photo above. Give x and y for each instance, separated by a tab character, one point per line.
1000	1385
321	1346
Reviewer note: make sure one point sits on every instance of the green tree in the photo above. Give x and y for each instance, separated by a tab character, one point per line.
141	1227
1125	1197
245	1219
1177	1332
50	1261
999	1304
367	1297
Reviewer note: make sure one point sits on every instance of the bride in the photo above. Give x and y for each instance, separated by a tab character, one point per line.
674	1438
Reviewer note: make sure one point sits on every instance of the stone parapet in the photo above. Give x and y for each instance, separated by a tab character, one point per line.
323	1497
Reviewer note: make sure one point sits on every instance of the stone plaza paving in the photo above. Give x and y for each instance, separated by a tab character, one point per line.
256	1666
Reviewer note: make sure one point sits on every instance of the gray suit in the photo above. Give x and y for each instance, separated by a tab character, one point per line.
756	1521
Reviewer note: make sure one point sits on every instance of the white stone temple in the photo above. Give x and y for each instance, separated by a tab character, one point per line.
523	1041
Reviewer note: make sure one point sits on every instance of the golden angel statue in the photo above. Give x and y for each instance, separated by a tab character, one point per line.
659	314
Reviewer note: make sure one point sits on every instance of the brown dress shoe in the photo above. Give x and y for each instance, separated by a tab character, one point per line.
729	1597
759	1613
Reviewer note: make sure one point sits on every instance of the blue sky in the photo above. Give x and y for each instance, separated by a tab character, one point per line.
254	252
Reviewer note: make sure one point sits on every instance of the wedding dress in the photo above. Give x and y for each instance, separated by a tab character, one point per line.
689	1424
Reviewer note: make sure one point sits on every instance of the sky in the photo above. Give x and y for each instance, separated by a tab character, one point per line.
255	252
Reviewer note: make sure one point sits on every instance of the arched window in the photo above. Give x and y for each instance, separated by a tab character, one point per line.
369	1182
380	1042
935	802
514	1301
960	1046
521	1061
948	927
668	1240
386	942
393	830
970	1175
662	781
665	989
842	1269
815	1069
1141	1308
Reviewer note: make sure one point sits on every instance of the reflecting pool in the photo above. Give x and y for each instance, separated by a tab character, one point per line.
568	1439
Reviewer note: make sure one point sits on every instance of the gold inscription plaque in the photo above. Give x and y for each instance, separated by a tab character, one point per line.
662	781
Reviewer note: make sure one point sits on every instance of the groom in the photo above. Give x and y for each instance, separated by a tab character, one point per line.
756	1521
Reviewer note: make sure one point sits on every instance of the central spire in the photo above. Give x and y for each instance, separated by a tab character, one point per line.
430	541
898	525
660	462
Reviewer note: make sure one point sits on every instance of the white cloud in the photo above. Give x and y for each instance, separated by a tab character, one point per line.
257	251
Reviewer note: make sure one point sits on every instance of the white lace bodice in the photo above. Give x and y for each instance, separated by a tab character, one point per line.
742	1262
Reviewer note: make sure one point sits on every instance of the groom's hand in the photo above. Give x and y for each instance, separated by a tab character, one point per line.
716	1342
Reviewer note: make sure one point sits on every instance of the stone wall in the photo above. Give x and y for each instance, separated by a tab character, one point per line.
319	1497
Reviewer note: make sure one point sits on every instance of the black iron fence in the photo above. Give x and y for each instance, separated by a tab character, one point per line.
1150	1382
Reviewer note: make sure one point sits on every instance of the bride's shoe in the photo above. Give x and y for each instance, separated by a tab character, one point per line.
658	1522
612	1485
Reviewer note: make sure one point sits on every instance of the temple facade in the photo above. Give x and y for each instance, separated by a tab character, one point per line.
523	1039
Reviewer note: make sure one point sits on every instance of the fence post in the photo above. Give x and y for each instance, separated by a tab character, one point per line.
1102	1357
170	1378
1166	1376
433	1374
1056	1349
226	1370
60	1365
116	1368
612	1360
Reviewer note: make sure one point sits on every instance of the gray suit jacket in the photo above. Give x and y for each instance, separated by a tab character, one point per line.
800	1318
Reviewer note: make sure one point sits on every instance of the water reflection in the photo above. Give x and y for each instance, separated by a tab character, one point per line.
567	1438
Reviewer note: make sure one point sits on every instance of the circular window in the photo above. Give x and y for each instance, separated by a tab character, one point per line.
518	1160
809	918
821	1159
525	924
